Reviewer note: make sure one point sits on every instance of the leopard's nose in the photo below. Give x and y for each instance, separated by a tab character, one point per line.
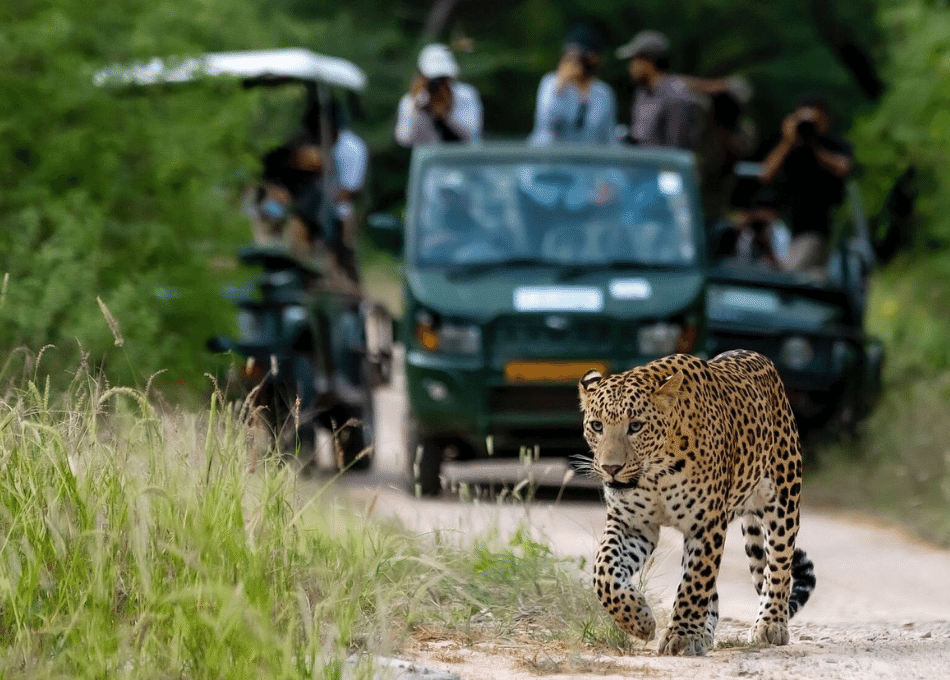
612	470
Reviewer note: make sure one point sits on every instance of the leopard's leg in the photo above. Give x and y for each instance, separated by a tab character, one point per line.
624	550
779	525
754	549
712	619
694	609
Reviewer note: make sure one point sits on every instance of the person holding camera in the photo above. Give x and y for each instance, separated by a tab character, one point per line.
572	104
438	108
763	238
814	165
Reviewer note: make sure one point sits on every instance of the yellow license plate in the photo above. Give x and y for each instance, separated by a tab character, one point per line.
563	371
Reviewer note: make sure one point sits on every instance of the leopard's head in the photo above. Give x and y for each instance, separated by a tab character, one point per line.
626	422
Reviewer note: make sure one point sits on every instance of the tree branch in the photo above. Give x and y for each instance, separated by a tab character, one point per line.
840	38
438	18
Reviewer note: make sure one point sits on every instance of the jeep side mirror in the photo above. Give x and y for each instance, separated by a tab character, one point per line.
385	232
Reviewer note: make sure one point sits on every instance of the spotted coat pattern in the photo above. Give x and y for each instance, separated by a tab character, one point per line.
691	444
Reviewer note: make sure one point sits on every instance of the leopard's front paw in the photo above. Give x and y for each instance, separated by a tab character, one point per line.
632	613
769	633
643	625
638	622
683	643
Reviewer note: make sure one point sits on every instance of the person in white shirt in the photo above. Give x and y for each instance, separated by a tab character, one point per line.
351	158
438	108
572	104
345	181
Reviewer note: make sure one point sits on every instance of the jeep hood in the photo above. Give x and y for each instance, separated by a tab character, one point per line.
628	293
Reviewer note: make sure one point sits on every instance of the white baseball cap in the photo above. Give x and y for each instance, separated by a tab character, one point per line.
436	61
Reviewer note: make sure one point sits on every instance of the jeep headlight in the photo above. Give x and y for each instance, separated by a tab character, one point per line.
659	339
796	353
460	339
294	314
447	337
249	324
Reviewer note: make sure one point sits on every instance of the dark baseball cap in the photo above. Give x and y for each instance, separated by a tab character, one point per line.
651	44
585	37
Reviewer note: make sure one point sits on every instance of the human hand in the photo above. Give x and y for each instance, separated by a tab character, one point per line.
440	99
604	194
569	70
277	192
418	85
790	129
308	157
419	90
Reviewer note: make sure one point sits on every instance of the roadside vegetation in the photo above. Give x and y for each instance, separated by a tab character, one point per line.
138	543
898	467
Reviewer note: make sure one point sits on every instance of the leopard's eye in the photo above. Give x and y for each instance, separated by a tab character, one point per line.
634	427
596	426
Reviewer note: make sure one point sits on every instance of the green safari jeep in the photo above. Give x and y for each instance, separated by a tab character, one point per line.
524	268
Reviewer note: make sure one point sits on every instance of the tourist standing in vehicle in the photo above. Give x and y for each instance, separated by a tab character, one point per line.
286	205
812	165
758	237
351	159
665	112
573	105
438	108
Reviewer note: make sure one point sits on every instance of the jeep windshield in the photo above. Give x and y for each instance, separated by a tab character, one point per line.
475	218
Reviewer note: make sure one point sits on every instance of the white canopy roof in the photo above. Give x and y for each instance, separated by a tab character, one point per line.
294	63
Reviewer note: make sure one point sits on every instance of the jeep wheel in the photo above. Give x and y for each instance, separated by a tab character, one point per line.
356	432
425	463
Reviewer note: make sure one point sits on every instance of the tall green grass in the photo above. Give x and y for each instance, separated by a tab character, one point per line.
899	467
139	544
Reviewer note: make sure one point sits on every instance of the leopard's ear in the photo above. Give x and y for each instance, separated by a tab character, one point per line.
665	397
587	384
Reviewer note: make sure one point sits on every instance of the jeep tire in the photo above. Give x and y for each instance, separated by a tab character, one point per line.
424	455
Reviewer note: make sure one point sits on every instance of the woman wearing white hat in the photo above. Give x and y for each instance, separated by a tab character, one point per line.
438	108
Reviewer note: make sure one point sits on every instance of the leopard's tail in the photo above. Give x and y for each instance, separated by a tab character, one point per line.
803	581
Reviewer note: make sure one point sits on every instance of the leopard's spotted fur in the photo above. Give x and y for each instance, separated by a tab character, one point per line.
691	444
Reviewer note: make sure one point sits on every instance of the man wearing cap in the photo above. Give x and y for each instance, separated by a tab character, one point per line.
573	105
438	108
665	112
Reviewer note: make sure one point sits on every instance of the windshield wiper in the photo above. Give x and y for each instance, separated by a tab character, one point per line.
578	270
474	269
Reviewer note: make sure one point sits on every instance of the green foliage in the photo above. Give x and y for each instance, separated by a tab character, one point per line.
113	194
139	544
909	308
911	124
899	467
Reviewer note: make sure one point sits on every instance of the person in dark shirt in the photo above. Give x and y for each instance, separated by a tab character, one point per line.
665	111
813	165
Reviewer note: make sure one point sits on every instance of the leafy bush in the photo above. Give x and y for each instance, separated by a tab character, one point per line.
141	544
110	194
911	123
899	467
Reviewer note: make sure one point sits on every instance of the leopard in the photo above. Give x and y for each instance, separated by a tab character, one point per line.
692	444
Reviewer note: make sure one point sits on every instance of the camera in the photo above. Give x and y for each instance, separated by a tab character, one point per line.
434	85
807	130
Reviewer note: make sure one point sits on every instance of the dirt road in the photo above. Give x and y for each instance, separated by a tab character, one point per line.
881	608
